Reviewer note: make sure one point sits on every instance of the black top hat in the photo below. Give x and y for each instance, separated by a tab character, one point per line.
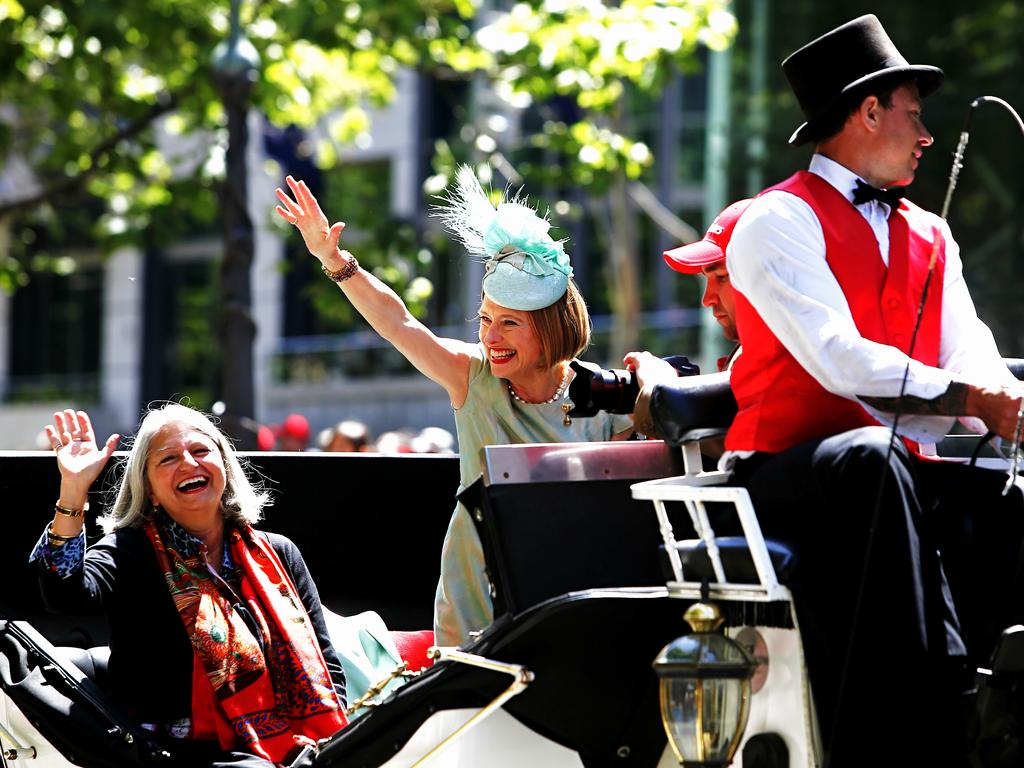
859	52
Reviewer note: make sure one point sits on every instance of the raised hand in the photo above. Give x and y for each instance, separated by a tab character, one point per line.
320	236
79	458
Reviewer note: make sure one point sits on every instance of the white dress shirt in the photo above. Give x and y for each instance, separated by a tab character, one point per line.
776	258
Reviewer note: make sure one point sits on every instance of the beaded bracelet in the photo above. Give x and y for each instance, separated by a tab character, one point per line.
70	512
343	274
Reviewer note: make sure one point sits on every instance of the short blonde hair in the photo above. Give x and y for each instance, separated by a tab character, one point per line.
243	500
563	328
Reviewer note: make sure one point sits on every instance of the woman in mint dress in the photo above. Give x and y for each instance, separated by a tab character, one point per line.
509	387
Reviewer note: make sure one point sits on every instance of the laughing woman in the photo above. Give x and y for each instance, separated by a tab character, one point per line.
508	388
217	637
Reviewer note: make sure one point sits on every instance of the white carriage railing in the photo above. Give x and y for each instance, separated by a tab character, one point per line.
695	489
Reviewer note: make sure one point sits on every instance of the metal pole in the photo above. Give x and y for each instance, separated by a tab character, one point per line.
758	108
670	127
716	179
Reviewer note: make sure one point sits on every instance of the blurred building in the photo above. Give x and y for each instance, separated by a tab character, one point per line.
114	334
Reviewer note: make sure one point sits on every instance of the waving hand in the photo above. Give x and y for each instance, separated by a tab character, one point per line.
320	236
79	458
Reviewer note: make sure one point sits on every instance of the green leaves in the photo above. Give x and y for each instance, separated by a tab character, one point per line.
592	51
92	89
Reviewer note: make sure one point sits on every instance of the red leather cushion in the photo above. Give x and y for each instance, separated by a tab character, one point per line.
413	647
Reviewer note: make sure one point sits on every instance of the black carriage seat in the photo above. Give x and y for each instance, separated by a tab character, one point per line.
687	411
693	408
92	661
68	708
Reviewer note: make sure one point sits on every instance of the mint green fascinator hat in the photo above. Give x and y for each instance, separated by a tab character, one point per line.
524	268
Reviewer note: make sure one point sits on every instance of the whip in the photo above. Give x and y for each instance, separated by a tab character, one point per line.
957	165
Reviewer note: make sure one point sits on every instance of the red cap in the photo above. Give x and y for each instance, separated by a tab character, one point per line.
295	425
690	258
265	438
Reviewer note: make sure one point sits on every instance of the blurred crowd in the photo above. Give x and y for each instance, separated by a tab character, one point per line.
351	436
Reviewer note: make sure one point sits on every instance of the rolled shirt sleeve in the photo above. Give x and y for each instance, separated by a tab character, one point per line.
62	560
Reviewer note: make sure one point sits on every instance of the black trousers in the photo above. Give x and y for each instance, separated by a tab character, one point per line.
943	577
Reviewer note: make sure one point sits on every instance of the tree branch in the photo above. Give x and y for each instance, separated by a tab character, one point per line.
668	222
69	184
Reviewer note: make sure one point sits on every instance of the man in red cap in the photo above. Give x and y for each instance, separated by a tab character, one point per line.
830	267
707	257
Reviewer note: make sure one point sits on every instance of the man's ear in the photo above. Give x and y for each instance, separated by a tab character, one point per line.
869	113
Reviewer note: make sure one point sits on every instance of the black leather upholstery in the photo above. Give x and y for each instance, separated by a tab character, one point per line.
92	661
693	408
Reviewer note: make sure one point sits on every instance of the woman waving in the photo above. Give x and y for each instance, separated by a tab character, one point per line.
508	388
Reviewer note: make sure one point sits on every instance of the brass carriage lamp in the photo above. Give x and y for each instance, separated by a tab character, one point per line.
705	690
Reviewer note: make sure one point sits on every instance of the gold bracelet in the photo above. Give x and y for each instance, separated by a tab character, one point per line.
70	512
57	539
343	274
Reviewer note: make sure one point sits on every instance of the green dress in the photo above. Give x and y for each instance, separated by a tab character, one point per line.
491	417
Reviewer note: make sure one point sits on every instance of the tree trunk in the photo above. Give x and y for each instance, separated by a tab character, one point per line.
624	286
237	328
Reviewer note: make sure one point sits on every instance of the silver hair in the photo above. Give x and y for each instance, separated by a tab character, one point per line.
243	500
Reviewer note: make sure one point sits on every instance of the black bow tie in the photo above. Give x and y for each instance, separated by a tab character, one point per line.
863	193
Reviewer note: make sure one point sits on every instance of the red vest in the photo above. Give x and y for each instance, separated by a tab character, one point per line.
780	404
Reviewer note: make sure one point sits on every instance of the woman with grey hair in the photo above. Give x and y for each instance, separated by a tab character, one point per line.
241	503
217	635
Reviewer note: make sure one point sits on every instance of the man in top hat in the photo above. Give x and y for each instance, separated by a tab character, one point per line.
829	267
707	257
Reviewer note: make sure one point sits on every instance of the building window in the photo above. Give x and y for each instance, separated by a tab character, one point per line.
56	337
181	353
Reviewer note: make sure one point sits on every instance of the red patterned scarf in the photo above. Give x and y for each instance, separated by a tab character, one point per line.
263	704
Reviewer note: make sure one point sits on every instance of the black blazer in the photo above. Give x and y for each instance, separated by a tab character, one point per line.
150	668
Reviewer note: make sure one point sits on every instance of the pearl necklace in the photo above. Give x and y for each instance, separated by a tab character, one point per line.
552	399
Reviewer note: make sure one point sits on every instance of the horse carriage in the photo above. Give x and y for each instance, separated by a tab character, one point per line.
594	552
